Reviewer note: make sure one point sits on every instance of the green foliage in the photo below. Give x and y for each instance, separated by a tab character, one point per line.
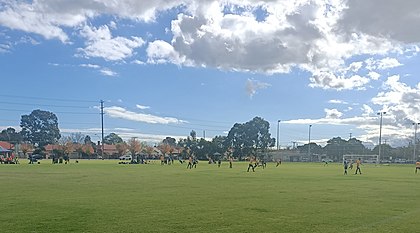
248	138
169	141
112	139
10	135
40	127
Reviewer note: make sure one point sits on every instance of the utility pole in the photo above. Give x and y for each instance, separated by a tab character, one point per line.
415	141
309	144
278	134
380	135
204	134
102	127
350	135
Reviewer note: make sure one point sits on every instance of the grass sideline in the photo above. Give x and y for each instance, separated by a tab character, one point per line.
103	196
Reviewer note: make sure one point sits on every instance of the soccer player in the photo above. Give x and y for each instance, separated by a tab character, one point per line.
230	161
358	163
263	163
190	164
195	161
162	160
417	165
219	162
351	164
345	167
252	164
278	162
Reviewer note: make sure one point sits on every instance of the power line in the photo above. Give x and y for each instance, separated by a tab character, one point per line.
21	110
52	99
44	105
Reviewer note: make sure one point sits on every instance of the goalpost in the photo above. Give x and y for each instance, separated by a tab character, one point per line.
364	158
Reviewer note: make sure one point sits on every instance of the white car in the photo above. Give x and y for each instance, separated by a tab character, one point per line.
126	157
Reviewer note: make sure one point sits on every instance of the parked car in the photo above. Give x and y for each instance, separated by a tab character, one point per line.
126	157
36	157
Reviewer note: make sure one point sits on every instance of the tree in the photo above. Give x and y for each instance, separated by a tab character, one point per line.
25	148
66	145
121	148
193	135
10	135
335	148
87	150
169	141
112	139
165	149
40	127
250	137
149	150
88	140
77	138
134	146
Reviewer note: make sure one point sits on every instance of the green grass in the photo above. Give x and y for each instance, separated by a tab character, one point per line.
102	196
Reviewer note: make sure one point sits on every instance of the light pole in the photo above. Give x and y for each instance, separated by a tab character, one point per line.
415	139
380	135
309	144
278	134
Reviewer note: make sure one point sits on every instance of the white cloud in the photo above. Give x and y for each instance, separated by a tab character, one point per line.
337	102
142	107
4	48
316	36
333	113
160	52
118	112
383	64
328	80
401	101
367	110
138	62
90	66
100	43
373	75
252	86
108	72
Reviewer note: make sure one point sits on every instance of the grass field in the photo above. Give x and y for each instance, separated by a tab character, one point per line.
103	196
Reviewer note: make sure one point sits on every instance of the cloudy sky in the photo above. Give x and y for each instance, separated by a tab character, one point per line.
166	67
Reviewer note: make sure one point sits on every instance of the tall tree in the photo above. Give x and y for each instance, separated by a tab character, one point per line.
193	135
112	139
169	141
40	127
250	137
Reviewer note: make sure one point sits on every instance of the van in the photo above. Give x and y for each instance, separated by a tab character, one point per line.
126	157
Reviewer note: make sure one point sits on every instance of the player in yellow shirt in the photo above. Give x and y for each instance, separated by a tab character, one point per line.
358	163
417	165
252	163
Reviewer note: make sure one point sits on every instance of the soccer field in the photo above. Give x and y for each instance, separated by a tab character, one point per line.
103	196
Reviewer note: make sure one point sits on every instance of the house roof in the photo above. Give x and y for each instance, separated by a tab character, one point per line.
7	145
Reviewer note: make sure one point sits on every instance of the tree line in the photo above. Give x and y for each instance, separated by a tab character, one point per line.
40	128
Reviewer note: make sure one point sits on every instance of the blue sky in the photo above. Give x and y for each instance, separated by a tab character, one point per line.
166	67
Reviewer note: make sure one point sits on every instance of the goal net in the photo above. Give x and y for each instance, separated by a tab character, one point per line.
364	158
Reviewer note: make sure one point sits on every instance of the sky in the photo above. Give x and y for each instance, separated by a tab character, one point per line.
166	67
